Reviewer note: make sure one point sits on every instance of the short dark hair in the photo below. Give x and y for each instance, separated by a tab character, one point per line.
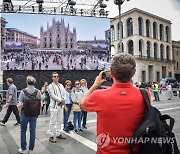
9	80
30	80
53	74
123	67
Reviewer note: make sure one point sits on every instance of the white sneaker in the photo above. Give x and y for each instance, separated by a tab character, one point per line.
21	151
31	152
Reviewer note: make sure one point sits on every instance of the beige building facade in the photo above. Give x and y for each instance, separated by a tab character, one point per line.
176	57
148	38
3	33
16	35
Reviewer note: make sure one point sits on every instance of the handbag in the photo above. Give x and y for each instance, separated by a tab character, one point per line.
76	107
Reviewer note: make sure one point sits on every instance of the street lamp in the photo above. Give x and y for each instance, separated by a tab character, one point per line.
119	3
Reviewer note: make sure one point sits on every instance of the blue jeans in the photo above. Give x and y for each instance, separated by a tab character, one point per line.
77	120
156	96
66	115
32	129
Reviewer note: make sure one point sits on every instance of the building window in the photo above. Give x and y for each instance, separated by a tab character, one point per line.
66	46
161	32
155	51
147	28
140	48
177	66
154	30
50	39
44	45
58	35
71	40
119	48
162	51
50	34
58	27
167	52
130	27
45	39
58	44
131	47
119	30
71	46
112	33
167	34
50	45
148	49
140	25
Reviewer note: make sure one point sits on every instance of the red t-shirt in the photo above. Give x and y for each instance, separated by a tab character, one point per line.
120	110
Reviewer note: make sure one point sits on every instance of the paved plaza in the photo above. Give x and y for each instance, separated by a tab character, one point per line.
84	143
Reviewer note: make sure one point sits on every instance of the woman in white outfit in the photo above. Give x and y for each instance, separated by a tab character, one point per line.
169	91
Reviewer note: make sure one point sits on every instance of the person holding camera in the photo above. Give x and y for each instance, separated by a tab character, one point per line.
46	98
120	108
57	100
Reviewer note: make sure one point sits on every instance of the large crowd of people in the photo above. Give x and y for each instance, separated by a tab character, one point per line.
46	60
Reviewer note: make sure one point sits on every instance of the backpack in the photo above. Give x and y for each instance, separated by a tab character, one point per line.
155	133
70	126
31	104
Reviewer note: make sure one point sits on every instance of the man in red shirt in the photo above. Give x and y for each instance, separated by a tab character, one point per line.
120	108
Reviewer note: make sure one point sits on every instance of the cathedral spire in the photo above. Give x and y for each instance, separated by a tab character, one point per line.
48	26
54	21
41	29
74	30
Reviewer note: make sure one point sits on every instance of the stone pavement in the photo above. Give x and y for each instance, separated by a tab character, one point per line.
73	144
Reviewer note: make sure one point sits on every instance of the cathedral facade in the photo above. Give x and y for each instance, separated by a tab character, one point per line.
58	36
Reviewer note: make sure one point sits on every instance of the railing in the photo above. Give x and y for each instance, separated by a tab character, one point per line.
154	59
3	95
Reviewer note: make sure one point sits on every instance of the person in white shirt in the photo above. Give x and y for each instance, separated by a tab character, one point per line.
169	91
57	100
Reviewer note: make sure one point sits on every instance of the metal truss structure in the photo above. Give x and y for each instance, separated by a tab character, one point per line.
64	7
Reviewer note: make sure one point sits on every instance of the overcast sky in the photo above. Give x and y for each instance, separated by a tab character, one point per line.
168	9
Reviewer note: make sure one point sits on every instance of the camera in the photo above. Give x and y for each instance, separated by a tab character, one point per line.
106	75
109	81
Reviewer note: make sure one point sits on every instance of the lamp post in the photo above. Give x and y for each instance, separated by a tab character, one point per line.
119	3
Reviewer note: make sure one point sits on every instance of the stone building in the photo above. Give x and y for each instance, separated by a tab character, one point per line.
148	38
3	33
16	35
87	45
58	36
176	57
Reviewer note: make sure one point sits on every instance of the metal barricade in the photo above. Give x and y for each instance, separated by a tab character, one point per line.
3	95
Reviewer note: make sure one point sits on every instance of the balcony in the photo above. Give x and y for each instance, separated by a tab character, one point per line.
139	57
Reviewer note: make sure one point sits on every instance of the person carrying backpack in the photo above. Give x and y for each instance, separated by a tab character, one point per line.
30	103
